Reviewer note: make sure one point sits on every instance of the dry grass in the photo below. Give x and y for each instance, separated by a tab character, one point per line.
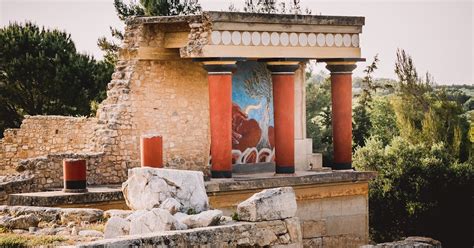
16	241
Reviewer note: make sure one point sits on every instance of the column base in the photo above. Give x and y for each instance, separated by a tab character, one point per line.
284	170
341	166
221	174
75	186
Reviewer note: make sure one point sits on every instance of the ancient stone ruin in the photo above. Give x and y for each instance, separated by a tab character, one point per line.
225	93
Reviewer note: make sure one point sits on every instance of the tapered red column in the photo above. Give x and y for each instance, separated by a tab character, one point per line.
220	110
283	79
341	97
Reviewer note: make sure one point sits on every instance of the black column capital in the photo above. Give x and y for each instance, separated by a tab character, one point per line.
341	65
282	65
219	65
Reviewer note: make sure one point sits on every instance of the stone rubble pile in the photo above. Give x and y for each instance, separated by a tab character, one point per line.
267	219
52	221
166	200
419	242
161	200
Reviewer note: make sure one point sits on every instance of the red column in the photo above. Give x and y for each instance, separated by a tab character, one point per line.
341	96
283	79
220	110
151	151
74	175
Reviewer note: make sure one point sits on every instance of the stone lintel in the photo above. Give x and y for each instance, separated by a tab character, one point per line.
241	17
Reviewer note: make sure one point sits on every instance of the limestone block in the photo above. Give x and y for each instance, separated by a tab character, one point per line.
90	233
79	215
155	220
21	222
313	243
269	204
148	188
203	219
117	213
294	229
314	228
171	204
348	224
116	227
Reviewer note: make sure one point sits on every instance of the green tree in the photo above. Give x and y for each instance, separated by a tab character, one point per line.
361	115
383	120
144	7
42	73
425	114
272	7
318	117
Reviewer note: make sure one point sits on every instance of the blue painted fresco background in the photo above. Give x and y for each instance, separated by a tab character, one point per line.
239	95
252	114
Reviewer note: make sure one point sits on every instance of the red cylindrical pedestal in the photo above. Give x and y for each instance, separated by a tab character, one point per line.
151	151
341	91
74	174
220	109
283	108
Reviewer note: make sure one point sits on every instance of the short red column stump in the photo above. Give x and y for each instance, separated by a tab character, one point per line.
151	150
74	174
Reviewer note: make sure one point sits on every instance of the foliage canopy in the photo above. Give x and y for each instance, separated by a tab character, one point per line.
41	73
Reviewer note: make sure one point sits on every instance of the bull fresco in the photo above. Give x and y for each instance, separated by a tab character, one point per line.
252	114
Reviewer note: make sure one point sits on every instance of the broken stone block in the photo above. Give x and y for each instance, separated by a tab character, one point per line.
90	233
78	215
155	220
23	222
116	227
148	188
118	213
294	229
203	219
171	204
269	204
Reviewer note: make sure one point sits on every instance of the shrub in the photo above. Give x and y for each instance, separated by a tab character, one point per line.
419	190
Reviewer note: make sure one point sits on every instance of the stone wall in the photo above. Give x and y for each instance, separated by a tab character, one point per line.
277	233
15	184
42	135
169	98
332	207
47	171
163	95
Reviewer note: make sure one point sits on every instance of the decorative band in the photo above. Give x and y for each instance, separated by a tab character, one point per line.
283	39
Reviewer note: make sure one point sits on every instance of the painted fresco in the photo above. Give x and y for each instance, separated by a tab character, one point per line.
252	114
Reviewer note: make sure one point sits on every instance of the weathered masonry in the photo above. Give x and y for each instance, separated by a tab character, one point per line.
228	43
224	85
225	91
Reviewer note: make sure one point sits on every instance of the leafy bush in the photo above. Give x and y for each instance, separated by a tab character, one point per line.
420	190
